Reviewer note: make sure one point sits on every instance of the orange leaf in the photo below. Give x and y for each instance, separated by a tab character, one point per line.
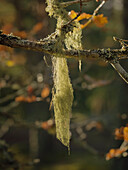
30	99
4	48
30	90
114	153
126	134
119	152
20	99
37	27
100	20
21	34
84	16
25	99
47	124
72	14
7	28
119	134
110	154
45	92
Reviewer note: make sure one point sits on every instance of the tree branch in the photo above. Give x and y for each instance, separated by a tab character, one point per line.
47	46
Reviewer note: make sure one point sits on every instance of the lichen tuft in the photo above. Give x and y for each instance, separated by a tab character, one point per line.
69	37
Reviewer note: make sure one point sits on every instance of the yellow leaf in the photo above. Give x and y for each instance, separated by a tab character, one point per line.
73	14
10	63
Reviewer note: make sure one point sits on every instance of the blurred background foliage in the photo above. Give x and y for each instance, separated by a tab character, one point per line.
27	130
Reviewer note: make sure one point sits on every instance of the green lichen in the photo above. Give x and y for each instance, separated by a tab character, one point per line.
62	100
69	37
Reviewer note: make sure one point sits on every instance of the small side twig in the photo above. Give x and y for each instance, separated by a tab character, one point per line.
123	74
98	8
65	4
122	42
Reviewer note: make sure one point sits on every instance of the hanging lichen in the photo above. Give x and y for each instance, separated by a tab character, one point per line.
68	37
62	100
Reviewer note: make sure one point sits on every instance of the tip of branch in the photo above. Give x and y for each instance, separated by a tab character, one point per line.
114	38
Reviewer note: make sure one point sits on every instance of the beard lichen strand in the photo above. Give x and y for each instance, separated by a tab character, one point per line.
69	37
63	97
62	100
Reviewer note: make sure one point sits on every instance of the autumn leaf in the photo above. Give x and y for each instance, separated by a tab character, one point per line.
37	27
30	90
21	34
73	14
110	154
119	134
46	125
84	16
45	92
7	28
28	99
5	48
125	134
20	99
100	20
10	63
114	153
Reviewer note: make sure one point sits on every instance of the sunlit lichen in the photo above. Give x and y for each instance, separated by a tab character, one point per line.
62	100
69	37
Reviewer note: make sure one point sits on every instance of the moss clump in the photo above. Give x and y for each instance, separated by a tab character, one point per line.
69	37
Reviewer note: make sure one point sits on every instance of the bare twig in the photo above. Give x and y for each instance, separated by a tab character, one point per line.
122	42
124	145
98	8
65	4
89	83
123	74
9	107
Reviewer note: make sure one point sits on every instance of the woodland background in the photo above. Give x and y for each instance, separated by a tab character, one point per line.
100	95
